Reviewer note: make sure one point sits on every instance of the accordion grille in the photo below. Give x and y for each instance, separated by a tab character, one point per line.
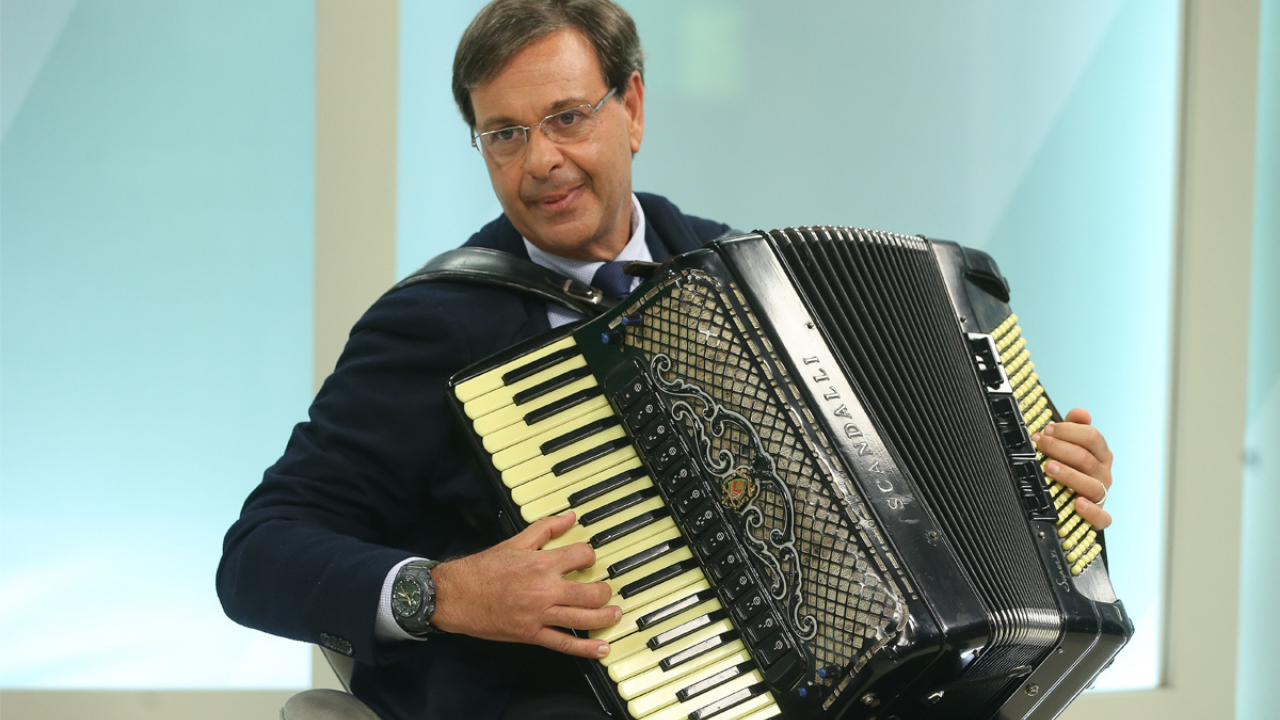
882	304
843	604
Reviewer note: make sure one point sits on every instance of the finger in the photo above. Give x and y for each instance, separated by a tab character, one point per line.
563	642
1079	415
542	530
577	618
1086	486
1090	512
1086	436
572	557
584	595
1079	460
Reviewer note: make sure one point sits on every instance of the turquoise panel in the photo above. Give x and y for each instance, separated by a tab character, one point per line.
442	193
156	210
1260	534
1042	132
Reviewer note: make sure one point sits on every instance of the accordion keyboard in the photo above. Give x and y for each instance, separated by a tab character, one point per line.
558	445
1079	541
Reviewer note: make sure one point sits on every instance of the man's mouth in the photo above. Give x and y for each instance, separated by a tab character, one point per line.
557	200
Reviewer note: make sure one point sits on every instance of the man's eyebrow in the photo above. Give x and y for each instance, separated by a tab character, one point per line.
505	121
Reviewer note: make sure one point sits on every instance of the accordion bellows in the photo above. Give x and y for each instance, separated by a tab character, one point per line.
803	460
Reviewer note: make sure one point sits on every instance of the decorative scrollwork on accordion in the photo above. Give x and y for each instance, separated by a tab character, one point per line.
774	547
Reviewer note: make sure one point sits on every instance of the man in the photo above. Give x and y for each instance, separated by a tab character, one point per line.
380	479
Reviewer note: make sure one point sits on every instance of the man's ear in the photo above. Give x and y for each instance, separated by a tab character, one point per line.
633	103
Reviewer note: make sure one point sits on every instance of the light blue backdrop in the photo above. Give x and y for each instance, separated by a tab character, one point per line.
1043	133
1260	574
156	185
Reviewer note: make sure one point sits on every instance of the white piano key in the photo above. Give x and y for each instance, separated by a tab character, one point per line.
637	663
503	396
492	380
655	677
557	501
532	447
543	464
506	427
666	695
682	710
635	642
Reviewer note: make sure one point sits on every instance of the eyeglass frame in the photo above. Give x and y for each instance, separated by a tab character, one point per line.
595	110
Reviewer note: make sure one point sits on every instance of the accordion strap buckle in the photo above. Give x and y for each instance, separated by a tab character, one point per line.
582	292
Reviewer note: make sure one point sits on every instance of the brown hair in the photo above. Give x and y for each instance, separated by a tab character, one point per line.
503	27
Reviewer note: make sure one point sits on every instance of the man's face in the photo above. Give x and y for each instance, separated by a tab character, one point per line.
572	200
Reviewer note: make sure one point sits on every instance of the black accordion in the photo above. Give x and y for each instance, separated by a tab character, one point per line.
803	459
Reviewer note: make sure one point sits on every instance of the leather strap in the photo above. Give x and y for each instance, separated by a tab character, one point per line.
484	266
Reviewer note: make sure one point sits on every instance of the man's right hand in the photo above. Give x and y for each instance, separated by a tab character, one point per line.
516	592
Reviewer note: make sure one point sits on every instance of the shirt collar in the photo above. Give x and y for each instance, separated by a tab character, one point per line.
584	270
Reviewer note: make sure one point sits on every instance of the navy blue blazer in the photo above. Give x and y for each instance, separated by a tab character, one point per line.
382	472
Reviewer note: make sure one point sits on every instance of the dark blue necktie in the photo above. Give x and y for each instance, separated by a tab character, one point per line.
611	281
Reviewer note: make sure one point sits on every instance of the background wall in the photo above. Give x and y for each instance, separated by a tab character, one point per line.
156	216
1259	573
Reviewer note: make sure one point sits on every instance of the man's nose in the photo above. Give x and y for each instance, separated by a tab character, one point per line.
541	154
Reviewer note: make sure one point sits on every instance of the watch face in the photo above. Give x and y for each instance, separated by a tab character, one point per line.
406	597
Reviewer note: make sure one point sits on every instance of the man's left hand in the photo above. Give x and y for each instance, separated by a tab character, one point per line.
1078	458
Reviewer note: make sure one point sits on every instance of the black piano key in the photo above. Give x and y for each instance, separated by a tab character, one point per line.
587	456
713	682
663	639
607	485
581	432
623	529
617	506
547	386
551	410
537	366
729	701
632	562
697	649
657	578
672	609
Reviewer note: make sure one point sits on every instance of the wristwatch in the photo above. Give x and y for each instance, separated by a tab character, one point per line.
413	598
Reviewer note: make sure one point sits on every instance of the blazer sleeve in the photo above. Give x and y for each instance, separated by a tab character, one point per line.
362	485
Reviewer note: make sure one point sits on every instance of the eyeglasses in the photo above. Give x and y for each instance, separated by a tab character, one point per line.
565	126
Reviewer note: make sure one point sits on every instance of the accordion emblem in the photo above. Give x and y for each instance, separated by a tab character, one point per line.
803	459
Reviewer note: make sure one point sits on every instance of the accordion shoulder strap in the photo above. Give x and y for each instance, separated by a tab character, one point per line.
484	266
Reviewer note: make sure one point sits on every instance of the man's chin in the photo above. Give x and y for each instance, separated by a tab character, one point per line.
566	239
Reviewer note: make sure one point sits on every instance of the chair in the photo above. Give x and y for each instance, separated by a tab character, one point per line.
327	704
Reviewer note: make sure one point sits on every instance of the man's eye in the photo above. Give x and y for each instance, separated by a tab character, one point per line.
569	118
504	135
